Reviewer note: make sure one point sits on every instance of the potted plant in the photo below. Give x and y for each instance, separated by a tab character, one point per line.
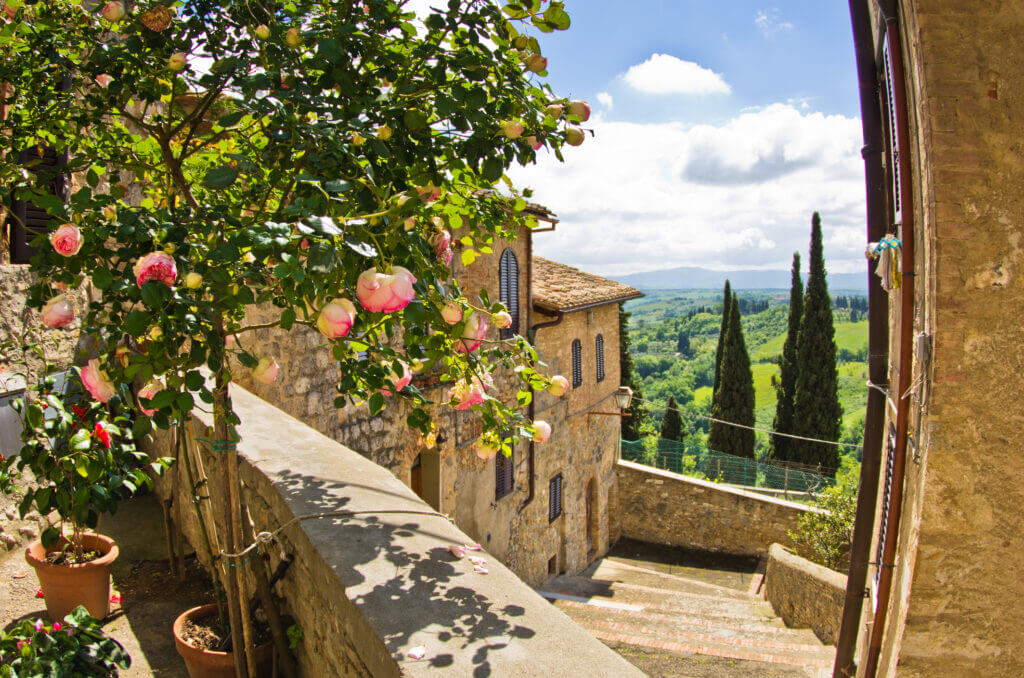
84	459
197	645
313	158
77	646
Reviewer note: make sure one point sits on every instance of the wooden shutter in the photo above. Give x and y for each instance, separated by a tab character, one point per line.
599	350
508	290
883	515
504	476
577	363
555	498
27	220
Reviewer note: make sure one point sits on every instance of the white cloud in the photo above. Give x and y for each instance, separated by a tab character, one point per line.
666	74
737	195
605	99
770	22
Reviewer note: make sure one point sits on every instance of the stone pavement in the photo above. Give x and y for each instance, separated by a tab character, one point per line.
686	616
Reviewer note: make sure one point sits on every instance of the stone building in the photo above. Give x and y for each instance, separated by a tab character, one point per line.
544	510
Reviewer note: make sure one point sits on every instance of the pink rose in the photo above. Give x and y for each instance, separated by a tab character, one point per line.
502	319
574	136
265	371
512	129
400	380
580	108
157	266
336	318
385	292
559	386
541	431
473	334
554	110
470	392
103	80
39	625
486	450
429	193
66	240
452	313
534	142
151	388
57	626
113	12
536	63
96	382
441	241
57	312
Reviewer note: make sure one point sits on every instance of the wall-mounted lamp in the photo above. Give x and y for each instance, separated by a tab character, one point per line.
622	397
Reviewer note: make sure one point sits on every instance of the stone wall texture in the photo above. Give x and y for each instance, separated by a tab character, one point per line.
957	603
805	594
666	508
368	588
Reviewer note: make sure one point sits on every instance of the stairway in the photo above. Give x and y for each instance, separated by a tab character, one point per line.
672	625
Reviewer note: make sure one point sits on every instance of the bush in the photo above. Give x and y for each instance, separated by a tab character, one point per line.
76	647
824	538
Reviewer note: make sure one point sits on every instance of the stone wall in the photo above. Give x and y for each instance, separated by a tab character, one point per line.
956	600
368	588
805	594
666	508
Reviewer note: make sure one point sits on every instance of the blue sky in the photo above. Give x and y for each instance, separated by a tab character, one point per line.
719	127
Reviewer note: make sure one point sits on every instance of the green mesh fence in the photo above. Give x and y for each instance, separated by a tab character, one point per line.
700	462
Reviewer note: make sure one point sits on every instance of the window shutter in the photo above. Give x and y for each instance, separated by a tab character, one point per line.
892	151
883	516
508	290
27	220
504	474
599	350
577	363
555	498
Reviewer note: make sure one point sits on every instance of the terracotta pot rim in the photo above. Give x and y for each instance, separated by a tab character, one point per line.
200	611
94	540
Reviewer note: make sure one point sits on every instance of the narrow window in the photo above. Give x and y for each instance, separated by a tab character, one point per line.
599	351
508	290
27	220
577	363
504	478
555	498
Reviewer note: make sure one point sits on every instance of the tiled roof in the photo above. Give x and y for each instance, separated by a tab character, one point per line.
557	287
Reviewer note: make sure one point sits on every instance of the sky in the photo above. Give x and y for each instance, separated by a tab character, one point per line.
718	129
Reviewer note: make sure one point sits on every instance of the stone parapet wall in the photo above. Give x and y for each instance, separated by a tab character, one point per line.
805	594
667	508
368	588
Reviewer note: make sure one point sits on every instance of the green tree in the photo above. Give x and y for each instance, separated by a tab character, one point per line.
782	446
683	345
816	410
734	399
726	309
672	423
637	413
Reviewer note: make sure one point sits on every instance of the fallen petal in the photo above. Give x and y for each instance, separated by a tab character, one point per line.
473	547
418	652
457	551
39	593
479	570
116	598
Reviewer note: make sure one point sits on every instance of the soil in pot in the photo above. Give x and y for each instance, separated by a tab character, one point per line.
197	632
68	585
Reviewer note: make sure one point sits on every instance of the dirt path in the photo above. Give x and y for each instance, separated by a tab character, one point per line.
152	598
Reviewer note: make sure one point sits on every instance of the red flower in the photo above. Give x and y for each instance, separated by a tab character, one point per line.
79	411
100	434
39	593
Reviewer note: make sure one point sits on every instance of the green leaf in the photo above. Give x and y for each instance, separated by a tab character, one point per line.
220	177
102	278
155	294
80	441
136	323
231	119
414	120
287	318
376	403
337	186
361	248
194	380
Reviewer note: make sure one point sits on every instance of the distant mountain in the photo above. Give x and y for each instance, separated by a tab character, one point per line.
694	278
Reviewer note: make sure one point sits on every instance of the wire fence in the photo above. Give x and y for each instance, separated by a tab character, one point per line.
700	462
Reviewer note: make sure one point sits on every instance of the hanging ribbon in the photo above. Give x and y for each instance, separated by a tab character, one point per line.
886	251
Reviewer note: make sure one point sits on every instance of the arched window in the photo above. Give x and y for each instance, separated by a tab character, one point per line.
504	474
577	363
599	352
508	290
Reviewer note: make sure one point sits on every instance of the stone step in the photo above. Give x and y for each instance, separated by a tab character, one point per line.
611	569
739	647
697	623
661	599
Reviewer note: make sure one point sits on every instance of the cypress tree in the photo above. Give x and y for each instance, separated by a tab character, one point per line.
726	305
672	423
683	344
734	399
782	446
637	410
816	409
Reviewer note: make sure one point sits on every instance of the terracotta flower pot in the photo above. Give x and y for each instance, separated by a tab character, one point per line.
65	587
210	663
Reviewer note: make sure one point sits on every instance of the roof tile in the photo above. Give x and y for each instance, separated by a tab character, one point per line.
558	287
